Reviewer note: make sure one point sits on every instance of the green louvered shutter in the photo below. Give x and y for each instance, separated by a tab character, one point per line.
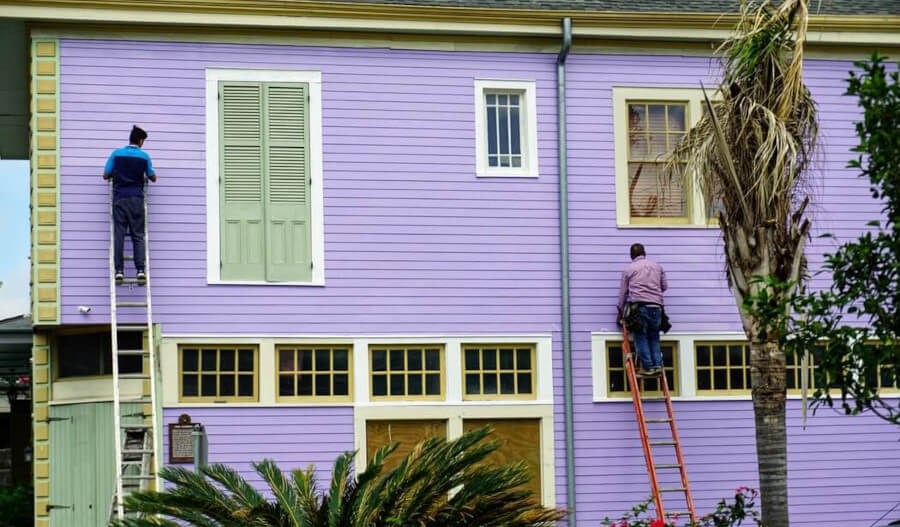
241	164
286	119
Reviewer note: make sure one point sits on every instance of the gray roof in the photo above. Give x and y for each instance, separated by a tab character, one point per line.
823	7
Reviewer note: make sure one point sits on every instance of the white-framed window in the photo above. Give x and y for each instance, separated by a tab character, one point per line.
505	128
648	123
264	177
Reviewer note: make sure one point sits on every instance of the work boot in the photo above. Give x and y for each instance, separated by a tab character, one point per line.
141	278
645	374
119	277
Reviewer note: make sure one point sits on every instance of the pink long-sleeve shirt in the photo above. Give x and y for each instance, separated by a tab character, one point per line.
643	280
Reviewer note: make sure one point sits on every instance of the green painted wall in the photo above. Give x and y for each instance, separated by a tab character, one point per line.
82	463
13	90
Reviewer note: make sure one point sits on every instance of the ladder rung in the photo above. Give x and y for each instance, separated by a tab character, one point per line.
659	420
131	304
130	281
137	476
653	398
131	327
678	513
136	427
142	451
673	489
135	462
128	256
667	467
133	352
666	442
133	376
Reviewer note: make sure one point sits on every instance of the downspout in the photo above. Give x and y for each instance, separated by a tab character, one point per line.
564	264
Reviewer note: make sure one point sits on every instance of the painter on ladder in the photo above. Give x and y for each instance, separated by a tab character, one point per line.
128	167
641	308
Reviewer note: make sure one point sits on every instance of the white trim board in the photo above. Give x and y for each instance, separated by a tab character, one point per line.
317	207
528	125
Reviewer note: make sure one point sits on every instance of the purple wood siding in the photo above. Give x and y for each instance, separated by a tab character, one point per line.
294	437
416	244
839	468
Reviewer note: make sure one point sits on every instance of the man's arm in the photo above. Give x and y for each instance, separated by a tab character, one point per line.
108	168
663	284
623	291
151	174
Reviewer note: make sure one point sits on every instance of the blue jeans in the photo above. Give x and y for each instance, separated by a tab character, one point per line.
647	341
128	215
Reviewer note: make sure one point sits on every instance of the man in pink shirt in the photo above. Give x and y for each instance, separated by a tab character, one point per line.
643	283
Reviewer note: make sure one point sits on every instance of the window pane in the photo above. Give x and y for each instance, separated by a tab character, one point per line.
432	360
341	384
226	360
323	360
490	383
617	381
341	360
189	385
472	360
379	360
615	357
209	360
513	100
397	384
397	360
190	360
702	356
286	360
506	359
473	384
658	147
432	384
657	119
736	355
637	117
245	360
208	385
245	385
226	385
514	131
414	384
379	385
489	359
720	379
323	384
491	98
501	99
523	359
286	385
652	194
719	357
414	360
737	379
503	122
492	130
704	380
676	117
507	383
516	161
493	161
524	380
306	360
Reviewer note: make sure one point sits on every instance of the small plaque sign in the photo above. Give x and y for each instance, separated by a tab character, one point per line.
181	440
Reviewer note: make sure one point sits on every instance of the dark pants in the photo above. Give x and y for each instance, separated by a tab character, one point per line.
647	341
128	215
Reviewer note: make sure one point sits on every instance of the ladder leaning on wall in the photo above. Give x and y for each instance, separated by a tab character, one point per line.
648	444
136	440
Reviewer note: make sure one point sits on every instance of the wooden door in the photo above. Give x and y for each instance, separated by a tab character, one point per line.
521	441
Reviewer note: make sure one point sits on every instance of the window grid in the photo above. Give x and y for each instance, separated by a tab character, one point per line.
218	373
648	145
407	372
492	371
617	379
320	373
884	377
723	367
504	129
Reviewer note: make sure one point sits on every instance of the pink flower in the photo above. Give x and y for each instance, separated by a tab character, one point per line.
658	523
742	489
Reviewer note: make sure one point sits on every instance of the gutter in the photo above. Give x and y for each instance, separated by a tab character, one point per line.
564	264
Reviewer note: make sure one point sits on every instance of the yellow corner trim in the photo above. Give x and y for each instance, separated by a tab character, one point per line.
46	86
46	179
40	413
42	470
45	49
46	217
46	237
46	161
46	199
40	375
46	67
46	313
46	124
46	294
40	357
45	105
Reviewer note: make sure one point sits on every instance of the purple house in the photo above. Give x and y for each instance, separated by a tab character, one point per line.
356	239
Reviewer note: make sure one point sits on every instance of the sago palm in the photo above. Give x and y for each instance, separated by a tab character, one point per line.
750	153
440	483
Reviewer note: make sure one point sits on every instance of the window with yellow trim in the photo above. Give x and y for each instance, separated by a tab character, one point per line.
406	371
884	376
654	129
498	371
617	378
314	373
218	373
723	367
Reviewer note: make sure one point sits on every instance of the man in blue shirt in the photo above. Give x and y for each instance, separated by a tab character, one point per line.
128	166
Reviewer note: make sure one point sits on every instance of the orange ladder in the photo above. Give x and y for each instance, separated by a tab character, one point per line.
648	444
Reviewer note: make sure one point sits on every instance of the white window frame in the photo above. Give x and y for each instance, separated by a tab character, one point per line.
620	98
317	228
528	124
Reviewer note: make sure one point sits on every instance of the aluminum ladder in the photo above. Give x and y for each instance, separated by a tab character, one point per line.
136	443
648	444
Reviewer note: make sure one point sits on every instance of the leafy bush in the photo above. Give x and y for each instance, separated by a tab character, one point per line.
727	514
16	506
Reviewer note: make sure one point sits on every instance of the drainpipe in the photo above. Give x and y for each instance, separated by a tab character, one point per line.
564	265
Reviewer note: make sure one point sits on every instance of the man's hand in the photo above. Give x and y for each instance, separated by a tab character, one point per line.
152	178
106	176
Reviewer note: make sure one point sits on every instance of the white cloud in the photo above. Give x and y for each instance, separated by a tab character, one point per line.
14	292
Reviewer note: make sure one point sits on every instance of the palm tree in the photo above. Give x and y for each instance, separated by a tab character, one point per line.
749	153
440	483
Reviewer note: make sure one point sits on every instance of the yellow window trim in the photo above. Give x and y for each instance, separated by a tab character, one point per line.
727	367
331	372
675	369
217	373
515	371
388	372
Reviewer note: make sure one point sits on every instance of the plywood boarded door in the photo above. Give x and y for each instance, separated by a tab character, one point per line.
521	441
407	433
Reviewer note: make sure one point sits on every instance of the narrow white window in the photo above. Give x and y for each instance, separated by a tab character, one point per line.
505	129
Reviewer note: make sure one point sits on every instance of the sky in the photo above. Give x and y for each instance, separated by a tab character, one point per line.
14	237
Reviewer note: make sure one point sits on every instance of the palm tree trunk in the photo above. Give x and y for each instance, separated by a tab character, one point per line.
767	375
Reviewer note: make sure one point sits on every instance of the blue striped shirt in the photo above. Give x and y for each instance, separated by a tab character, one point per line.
129	166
